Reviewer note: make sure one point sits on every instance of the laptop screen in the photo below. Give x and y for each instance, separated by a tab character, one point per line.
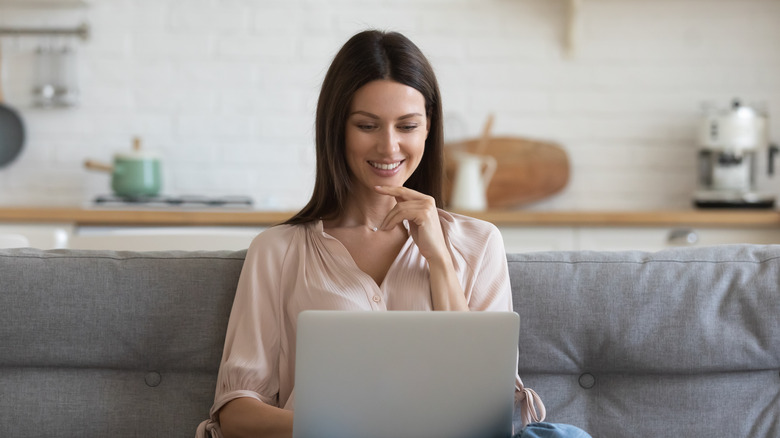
405	374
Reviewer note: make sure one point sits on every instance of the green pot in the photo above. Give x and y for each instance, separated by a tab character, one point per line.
135	176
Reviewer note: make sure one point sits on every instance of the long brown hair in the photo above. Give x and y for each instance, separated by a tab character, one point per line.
368	56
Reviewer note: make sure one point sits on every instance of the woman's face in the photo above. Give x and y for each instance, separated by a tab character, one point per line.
385	134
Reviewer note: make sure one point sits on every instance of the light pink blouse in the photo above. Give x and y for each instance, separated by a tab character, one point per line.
291	268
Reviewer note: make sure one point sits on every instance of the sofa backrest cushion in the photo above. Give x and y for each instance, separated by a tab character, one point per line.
102	343
682	342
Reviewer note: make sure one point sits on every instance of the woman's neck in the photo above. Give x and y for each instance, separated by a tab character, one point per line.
368	210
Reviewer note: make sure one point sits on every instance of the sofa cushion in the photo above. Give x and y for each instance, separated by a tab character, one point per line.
684	342
623	344
102	343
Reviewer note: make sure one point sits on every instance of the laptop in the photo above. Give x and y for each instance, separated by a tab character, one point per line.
412	374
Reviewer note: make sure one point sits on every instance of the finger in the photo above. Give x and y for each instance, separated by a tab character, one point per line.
393	218
418	211
400	193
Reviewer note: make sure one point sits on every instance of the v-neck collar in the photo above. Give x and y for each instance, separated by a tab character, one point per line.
319	229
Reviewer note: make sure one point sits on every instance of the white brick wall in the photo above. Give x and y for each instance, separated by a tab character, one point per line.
226	89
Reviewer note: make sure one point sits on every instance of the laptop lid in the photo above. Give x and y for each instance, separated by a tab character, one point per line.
405	374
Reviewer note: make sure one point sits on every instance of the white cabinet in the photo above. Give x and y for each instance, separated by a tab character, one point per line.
42	236
618	239
54	236
531	239
517	238
13	241
521	239
163	238
709	236
655	239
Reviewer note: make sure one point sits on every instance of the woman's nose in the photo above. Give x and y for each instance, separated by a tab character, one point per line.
388	141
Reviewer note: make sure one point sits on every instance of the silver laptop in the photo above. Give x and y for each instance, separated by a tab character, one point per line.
405	374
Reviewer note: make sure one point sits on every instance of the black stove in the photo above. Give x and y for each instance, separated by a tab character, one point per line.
175	201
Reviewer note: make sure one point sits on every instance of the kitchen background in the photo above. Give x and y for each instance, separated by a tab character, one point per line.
225	90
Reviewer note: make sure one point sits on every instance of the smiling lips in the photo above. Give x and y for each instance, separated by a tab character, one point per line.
385	166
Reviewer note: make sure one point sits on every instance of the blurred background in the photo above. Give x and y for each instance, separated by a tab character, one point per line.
225	90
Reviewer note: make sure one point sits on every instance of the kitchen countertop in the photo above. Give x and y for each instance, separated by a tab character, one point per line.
105	216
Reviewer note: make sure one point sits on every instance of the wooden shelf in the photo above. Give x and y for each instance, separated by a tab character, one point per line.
691	218
181	217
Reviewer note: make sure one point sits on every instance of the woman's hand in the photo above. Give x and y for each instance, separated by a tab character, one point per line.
424	226
423	217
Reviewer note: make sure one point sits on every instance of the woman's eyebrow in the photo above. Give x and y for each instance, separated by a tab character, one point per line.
374	116
364	113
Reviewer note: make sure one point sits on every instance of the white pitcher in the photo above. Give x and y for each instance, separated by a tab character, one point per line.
472	176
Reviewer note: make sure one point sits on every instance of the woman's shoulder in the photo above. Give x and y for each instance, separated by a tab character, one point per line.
471	238
455	224
278	238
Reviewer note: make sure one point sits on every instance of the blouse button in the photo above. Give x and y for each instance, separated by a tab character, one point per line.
377	298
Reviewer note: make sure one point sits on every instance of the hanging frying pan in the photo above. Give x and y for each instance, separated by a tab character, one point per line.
11	128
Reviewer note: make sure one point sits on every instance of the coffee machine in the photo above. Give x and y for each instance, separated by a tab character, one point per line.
731	141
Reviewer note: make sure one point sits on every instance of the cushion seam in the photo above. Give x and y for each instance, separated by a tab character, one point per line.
168	258
611	262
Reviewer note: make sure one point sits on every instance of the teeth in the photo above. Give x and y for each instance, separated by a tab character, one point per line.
385	166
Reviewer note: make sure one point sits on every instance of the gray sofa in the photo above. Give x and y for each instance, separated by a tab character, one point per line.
684	342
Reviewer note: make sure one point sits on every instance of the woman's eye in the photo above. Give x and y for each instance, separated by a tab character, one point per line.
364	127
407	127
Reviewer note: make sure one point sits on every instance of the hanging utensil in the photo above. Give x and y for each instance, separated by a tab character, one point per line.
66	82
43	92
11	128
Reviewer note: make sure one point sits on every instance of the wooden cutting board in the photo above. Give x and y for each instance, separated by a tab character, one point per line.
527	170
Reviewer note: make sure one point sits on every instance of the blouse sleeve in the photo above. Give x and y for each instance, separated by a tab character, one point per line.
490	289
493	292
250	359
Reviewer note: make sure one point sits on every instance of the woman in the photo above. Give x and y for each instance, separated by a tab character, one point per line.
371	238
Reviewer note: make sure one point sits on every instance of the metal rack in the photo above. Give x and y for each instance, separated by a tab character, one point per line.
81	31
45	4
